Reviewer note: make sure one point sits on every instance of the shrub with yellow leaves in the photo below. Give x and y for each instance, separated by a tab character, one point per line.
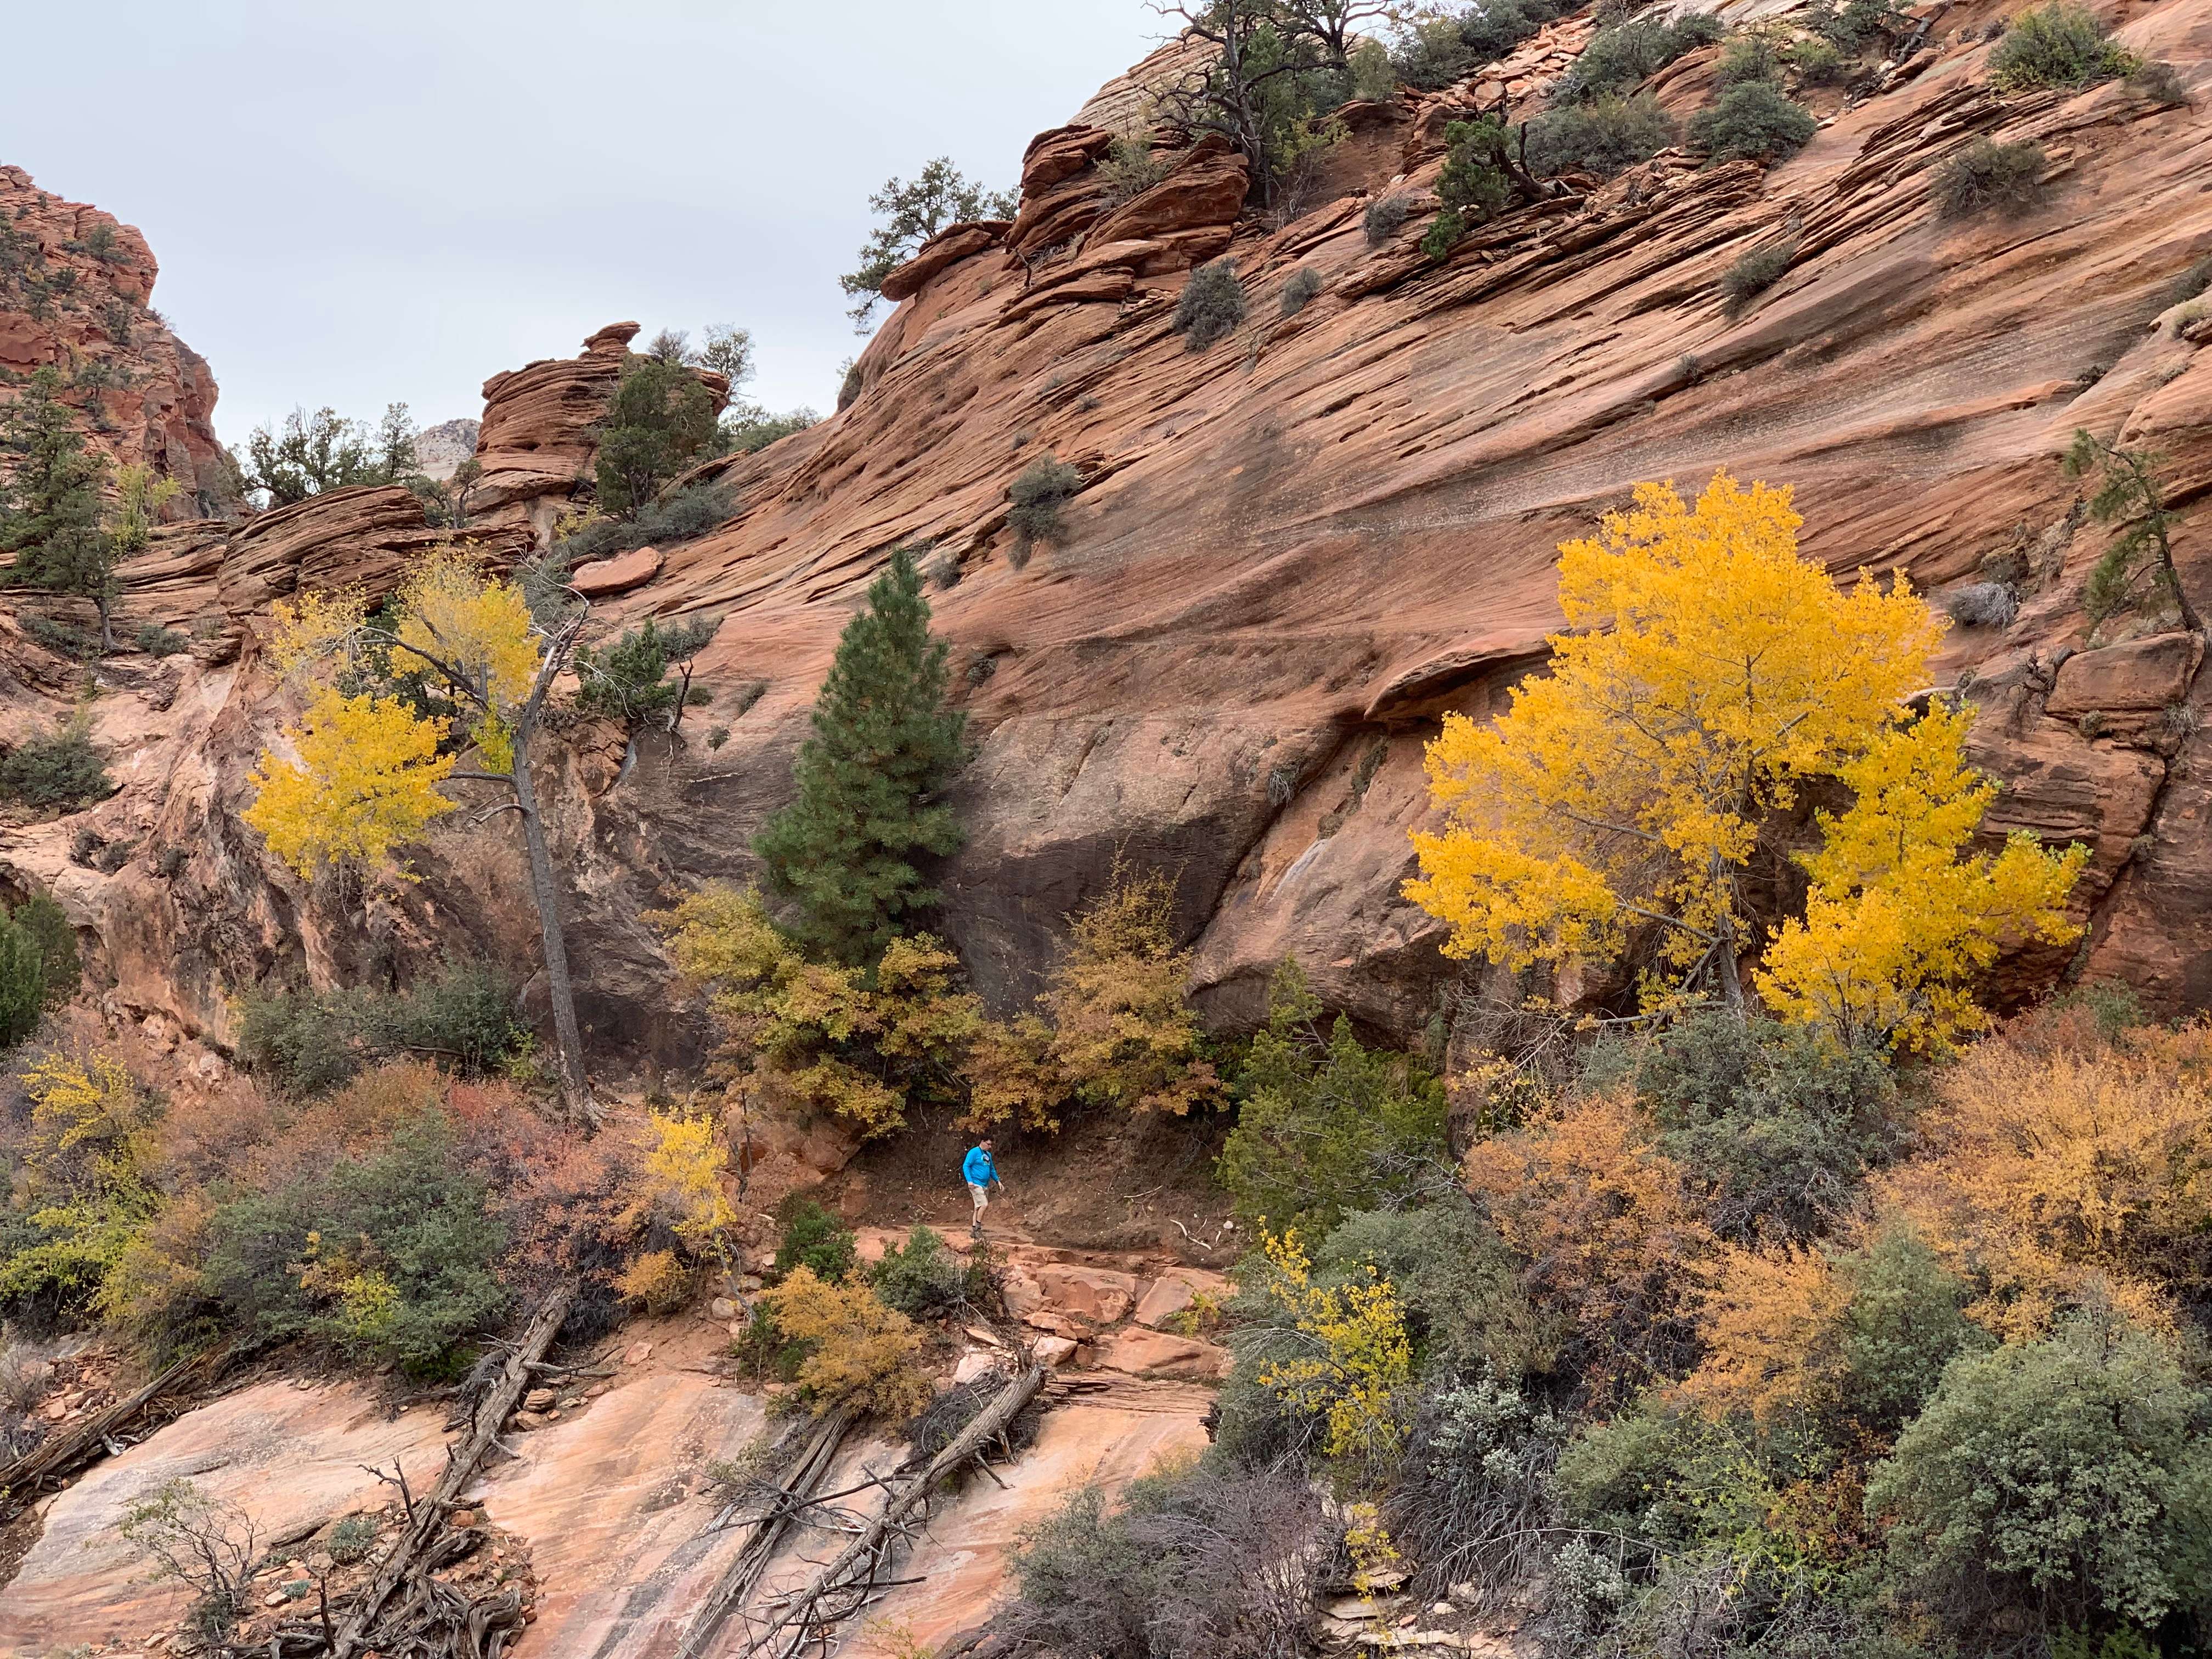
862	1353
655	1281
1356	1360
684	1163
84	1187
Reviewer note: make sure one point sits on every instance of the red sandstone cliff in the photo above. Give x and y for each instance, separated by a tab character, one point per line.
1294	551
75	292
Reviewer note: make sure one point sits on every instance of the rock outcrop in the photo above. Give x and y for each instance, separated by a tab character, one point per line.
76	290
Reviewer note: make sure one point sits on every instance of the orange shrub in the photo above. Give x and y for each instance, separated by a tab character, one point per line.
1610	1226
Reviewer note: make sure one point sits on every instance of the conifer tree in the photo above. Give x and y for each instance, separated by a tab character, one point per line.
883	746
50	506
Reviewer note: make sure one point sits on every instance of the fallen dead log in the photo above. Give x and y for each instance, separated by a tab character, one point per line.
47	1465
851	1581
801	1481
427	1519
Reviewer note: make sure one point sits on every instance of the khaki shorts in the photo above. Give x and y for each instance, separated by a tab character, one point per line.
980	1195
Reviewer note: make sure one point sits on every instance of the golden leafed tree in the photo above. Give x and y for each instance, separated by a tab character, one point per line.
457	657
1708	676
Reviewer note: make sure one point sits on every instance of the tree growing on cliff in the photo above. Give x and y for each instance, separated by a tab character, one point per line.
1711	675
869	781
661	420
50	501
2129	494
1273	69
311	454
456	661
909	214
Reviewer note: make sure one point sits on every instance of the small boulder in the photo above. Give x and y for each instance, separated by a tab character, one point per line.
603	578
1053	1351
539	1400
1154	1353
972	1365
1097	1294
721	1308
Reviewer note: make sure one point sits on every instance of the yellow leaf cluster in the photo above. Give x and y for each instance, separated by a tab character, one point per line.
1362	1360
1897	917
683	1168
1122	1034
818	1036
2051	1175
316	628
477	629
864	1353
1710	672
1769	1325
656	1281
365	780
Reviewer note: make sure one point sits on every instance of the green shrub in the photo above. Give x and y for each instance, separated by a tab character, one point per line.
1299	292
1988	177
812	1238
1753	122
1748	57
923	1280
1905	1322
1816	61
1326	1124
1211	305
1667	1478
157	641
61	638
1130	168
2057	45
1386	216
1780	1122
39	965
388	1255
1036	497
747	428
660	420
1457	1282
682	515
351	1539
1849	27
59	769
1473	1493
1201	1558
2161	83
1618	60
628	681
1603	136
1756	272
464	1017
2074	1472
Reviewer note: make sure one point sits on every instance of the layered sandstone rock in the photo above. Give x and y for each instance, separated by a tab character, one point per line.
76	291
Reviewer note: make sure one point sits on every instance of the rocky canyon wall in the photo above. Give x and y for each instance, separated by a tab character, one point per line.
1292	552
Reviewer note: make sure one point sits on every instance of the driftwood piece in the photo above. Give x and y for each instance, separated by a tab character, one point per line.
801	1481
45	1465
850	1580
427	1520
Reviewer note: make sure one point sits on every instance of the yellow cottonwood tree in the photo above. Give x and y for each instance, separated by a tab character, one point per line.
1708	676
366	766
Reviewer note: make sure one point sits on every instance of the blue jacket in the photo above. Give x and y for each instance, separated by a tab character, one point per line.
977	1168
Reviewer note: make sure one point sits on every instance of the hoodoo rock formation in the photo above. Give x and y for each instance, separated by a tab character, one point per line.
1291	552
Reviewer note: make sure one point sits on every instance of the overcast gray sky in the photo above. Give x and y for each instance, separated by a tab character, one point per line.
355	205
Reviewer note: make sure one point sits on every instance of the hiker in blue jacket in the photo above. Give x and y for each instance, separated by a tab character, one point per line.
981	1174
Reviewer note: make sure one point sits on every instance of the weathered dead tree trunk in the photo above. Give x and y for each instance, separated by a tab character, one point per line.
801	1482
850	1582
427	1519
44	1466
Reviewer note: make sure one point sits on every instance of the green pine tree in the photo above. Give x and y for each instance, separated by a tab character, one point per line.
661	420
885	745
50	502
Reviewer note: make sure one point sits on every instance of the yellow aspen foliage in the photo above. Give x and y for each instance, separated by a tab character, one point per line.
315	627
1011	1075
656	1281
2053	1176
865	1353
1611	1226
478	628
1122	1033
1898	916
1707	673
683	1168
1358	1361
83	1187
365	780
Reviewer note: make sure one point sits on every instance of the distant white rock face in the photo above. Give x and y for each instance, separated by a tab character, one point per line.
439	449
